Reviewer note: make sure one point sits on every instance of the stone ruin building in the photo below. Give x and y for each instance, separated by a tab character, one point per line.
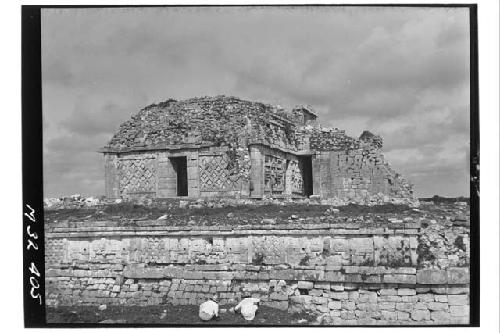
227	147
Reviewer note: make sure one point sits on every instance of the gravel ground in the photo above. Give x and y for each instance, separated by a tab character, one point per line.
170	315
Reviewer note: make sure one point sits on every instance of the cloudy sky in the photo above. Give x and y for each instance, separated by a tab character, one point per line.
402	73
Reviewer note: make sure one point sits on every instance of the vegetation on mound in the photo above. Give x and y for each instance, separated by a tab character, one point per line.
438	199
272	213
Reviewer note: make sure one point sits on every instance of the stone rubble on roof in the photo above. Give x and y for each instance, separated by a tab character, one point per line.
221	120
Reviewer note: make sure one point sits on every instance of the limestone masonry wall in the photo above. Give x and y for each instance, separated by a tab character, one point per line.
356	175
348	273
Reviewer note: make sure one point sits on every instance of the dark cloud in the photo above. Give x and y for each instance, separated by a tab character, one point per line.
87	120
400	72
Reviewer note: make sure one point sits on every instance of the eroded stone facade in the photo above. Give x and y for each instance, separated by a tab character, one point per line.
346	273
225	146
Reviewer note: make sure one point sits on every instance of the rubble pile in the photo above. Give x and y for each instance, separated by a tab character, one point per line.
445	234
332	139
74	201
371	139
207	121
229	121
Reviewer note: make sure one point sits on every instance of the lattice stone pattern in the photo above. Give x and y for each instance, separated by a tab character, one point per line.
137	175
216	173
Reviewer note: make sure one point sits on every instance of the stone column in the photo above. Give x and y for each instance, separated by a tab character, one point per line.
111	176
256	172
316	174
193	175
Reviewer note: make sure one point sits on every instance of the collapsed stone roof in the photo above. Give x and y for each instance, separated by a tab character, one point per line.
222	120
371	138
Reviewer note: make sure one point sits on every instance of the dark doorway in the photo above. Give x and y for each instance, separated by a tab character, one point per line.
180	167
307	174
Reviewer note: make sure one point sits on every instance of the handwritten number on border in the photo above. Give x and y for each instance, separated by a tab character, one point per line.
32	244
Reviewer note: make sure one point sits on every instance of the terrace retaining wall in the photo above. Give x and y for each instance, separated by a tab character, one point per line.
350	273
